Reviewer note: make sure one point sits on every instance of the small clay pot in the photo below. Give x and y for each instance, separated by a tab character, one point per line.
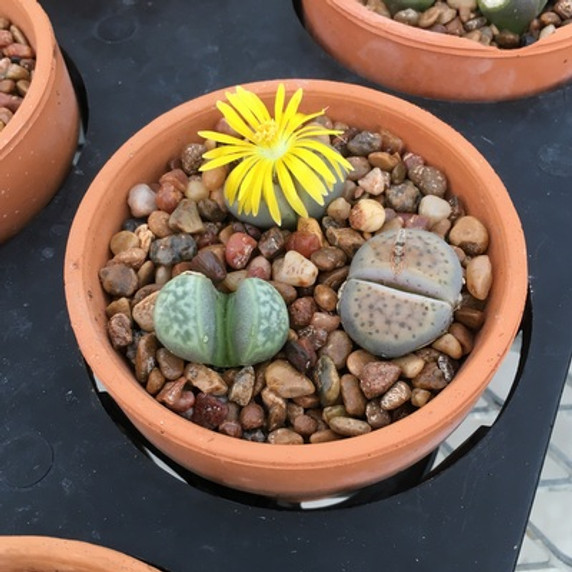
429	64
38	143
46	554
312	470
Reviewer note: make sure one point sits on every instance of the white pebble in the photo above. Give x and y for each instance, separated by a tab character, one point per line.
434	208
294	269
141	200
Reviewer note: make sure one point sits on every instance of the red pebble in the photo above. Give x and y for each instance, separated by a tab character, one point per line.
209	411
238	250
168	197
303	242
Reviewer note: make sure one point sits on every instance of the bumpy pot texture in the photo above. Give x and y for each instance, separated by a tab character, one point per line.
38	144
310	470
47	554
429	64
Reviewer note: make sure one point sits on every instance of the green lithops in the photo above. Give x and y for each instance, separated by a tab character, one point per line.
198	323
513	15
402	288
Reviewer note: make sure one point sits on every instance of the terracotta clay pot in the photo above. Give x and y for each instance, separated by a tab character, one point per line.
306	471
429	64
46	554
38	143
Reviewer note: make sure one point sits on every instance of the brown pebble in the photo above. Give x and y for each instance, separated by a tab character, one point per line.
145	357
286	381
479	276
353	398
119	330
243	386
338	347
357	360
205	379
377	377
176	396
284	436
395	396
470	234
118	280
171	366
376	416
155	381
325	297
431	378
143	312
252	416
348	426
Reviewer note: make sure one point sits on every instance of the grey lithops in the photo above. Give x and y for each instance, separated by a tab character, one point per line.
402	288
198	323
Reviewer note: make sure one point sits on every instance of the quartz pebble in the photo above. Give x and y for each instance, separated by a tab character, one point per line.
142	200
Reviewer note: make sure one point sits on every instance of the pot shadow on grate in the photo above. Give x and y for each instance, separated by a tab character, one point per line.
409	478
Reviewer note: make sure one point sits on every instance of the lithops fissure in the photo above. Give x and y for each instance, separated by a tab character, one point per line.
402	288
198	323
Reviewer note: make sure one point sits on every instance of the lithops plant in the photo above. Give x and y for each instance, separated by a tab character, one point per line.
513	15
197	322
401	292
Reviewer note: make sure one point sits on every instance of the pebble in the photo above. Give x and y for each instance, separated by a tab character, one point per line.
141	200
119	330
463	335
338	347
123	240
376	416
186	218
286	381
143	312
479	276
420	397
119	306
155	382
434	208
301	354
295	270
133	257
304	242
357	360
339	209
377	377
448	344
285	436
145	357
215	178
172	249
367	215
171	366
196	190
118	280
348	426
175	396
395	396
209	411
327	380
403	197
410	365
205	379
364	143
252	416
431	378
347	239
168	197
564	9
408	16
208	263
375	182
360	167
272	243
352	396
470	234
329	258
325	297
470	317
301	312
192	157
384	160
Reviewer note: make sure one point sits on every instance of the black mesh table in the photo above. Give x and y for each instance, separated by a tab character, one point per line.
71	466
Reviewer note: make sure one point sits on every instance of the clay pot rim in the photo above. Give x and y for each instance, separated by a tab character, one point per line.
433	42
430	419
67	552
44	44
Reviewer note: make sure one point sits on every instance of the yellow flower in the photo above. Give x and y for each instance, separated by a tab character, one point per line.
280	148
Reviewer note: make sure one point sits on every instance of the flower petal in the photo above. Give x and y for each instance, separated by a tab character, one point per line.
316	163
235	177
309	181
334	158
235	120
279	103
287	185
223	138
255	104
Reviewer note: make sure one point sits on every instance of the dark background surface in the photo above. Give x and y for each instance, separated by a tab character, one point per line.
68	469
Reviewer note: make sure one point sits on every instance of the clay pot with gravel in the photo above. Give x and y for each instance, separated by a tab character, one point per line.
39	114
421	56
48	554
178	415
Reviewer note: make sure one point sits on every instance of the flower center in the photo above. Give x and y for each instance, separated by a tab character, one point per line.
269	140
